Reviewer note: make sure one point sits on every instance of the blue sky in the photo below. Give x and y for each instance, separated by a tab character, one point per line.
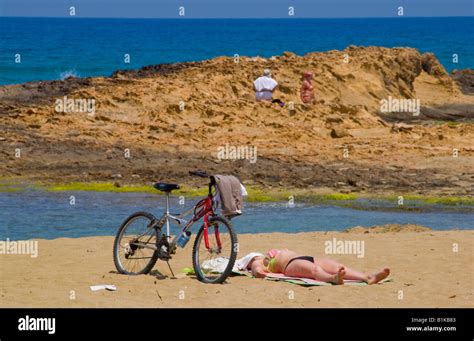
236	8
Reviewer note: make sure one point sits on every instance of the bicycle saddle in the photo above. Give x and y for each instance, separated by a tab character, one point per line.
161	186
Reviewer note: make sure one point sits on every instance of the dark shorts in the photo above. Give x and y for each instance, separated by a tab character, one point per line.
308	258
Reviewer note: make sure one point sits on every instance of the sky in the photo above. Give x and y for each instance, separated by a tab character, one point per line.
236	8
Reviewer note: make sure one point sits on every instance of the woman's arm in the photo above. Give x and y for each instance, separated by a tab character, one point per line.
258	270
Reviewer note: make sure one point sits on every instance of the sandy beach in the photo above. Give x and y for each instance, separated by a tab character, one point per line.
426	272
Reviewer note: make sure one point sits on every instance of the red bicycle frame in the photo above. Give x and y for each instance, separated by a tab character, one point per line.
205	209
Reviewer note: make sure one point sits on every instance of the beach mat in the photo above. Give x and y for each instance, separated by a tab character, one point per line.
313	282
293	280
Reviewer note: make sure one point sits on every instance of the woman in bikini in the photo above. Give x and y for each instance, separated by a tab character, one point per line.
292	264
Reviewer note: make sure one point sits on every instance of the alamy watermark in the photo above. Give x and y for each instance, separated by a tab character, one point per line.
345	247
28	323
19	247
77	105
400	105
229	152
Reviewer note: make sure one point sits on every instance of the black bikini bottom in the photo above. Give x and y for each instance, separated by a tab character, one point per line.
308	258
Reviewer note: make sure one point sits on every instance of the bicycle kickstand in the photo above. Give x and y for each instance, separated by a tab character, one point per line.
169	266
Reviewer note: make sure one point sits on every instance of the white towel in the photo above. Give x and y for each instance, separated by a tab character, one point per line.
218	265
243	190
243	262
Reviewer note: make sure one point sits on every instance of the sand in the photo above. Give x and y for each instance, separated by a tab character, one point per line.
425	271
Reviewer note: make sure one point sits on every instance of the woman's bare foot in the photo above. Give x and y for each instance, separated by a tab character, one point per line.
339	277
378	276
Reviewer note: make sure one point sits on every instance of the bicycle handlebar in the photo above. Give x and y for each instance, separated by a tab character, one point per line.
202	174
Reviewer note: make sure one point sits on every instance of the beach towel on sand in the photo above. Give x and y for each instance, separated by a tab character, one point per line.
218	265
313	282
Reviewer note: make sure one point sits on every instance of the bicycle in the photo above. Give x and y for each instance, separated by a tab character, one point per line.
141	241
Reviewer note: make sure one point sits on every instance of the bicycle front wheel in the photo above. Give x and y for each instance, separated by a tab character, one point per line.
213	262
135	245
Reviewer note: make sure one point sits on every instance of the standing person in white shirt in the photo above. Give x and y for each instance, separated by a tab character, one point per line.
264	87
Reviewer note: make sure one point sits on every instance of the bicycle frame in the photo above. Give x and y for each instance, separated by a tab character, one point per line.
203	209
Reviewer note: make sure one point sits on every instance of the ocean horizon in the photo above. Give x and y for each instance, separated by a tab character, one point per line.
53	48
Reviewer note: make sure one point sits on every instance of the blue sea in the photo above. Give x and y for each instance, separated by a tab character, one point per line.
39	214
53	48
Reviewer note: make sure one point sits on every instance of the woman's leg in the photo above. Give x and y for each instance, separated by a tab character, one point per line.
306	269
331	266
378	276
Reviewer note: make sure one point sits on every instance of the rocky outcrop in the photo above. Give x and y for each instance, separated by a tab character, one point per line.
356	76
464	79
175	115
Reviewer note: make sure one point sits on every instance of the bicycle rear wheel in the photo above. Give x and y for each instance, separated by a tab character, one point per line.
222	251
133	247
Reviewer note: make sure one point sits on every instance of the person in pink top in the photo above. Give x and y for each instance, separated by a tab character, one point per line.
307	95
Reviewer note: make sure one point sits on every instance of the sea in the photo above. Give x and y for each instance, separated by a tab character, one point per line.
33	213
34	49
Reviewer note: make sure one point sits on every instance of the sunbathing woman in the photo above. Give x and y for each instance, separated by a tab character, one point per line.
292	264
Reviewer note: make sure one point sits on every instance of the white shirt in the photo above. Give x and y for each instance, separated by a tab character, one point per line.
264	87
